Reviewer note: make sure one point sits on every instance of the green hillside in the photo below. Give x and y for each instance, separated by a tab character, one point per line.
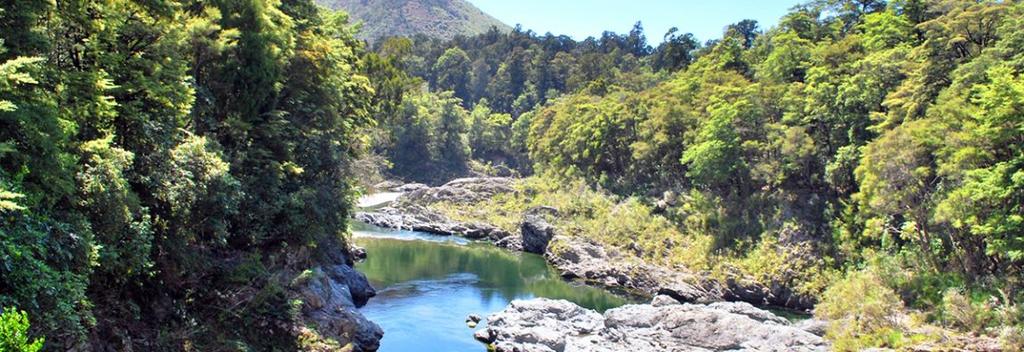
435	18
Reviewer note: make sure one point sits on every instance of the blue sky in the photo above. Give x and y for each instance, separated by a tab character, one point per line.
583	18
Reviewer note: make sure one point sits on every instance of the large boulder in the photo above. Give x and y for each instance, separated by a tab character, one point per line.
537	233
539	325
557	325
331	295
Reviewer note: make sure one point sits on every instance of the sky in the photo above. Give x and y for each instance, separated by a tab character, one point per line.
584	18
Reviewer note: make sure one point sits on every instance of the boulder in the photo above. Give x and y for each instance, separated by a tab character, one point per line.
814	326
331	295
558	325
388	185
358	252
537	233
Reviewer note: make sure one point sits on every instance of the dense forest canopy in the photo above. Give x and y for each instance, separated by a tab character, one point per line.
159	159
162	162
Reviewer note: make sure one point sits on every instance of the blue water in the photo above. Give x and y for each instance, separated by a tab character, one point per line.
427	285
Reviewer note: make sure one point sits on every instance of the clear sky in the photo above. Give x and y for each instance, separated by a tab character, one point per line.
584	18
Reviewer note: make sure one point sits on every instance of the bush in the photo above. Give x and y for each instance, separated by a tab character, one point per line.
1012	338
862	312
14	332
962	312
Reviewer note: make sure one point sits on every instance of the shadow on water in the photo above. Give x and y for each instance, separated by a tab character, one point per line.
428	284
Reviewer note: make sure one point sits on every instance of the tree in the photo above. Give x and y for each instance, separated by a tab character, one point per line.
453	70
745	30
14	332
636	42
675	52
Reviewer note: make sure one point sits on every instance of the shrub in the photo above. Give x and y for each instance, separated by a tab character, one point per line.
862	312
14	332
960	311
1012	338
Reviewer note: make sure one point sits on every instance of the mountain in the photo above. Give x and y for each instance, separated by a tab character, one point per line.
436	18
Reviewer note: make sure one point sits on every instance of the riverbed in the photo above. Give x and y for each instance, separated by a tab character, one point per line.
427	285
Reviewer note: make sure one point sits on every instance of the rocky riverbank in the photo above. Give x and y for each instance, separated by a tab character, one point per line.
663	325
331	293
575	258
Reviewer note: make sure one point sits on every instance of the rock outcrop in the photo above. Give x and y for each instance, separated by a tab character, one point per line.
558	325
463	190
331	293
536	234
410	211
576	258
330	298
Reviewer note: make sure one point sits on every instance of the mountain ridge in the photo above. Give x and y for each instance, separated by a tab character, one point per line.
442	19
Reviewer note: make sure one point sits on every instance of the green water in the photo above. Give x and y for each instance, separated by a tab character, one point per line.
427	285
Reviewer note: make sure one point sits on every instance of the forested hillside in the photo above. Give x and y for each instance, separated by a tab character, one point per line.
165	164
496	77
442	19
865	153
179	174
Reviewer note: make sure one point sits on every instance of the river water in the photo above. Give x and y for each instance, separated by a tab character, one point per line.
427	285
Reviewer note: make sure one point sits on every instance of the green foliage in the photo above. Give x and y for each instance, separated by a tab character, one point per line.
123	229
429	136
454	73
961	311
145	145
864	133
862	312
14	332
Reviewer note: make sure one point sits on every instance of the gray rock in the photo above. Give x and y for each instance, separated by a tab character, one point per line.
581	259
748	310
358	252
543	210
539	325
419	218
537	233
331	295
409	187
662	300
577	258
387	185
463	190
814	326
410	211
557	325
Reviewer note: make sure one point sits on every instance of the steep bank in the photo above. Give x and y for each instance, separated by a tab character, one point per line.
331	293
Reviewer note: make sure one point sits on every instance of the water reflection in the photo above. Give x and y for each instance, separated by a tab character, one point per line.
428	285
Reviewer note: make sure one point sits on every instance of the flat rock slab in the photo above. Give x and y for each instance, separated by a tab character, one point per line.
561	326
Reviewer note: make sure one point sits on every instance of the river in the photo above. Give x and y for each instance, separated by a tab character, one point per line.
427	285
